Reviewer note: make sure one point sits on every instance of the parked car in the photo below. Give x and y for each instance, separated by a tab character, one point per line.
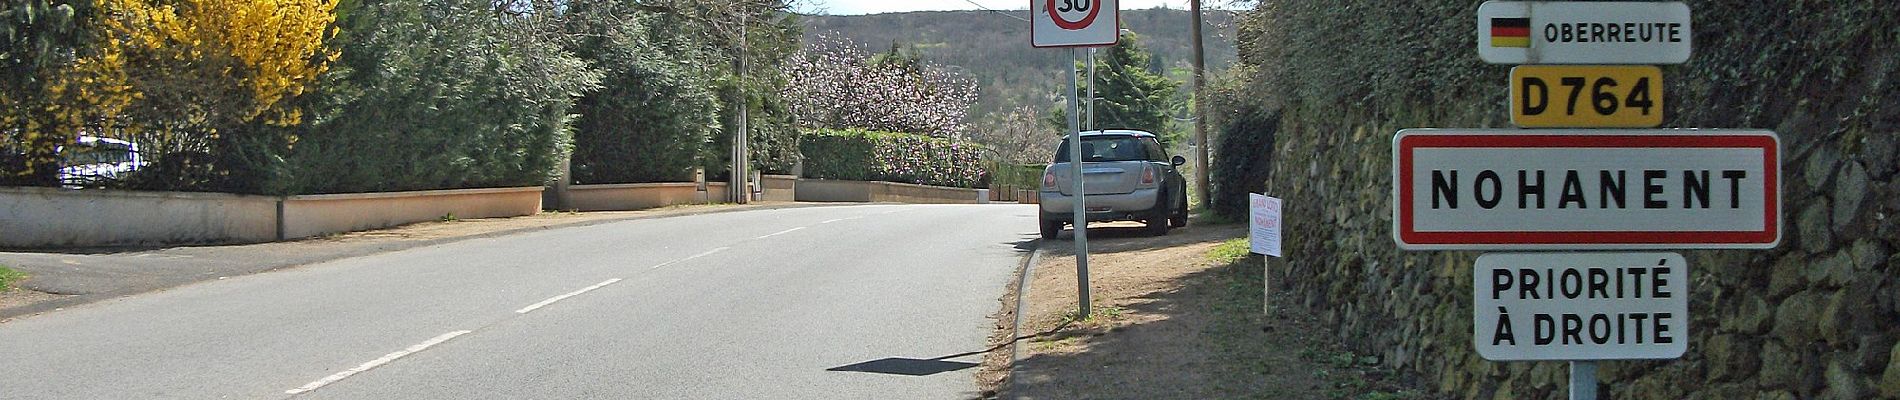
92	160
1128	176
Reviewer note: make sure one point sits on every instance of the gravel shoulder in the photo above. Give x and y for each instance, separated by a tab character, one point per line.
1176	316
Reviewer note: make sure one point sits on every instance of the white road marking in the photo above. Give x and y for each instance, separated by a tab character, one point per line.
707	253
551	300
780	233
376	362
840	219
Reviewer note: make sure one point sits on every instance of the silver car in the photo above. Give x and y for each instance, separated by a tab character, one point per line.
1128	176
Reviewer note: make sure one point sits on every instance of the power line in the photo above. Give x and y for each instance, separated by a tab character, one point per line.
980	5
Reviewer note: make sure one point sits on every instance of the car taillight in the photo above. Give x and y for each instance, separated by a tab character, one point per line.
1147	175
1049	179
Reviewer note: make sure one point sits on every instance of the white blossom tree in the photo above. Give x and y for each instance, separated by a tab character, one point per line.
835	84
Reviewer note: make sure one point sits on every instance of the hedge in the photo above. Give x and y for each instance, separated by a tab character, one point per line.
1024	176
893	157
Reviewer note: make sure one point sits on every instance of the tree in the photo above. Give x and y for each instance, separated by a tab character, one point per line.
433	94
55	78
213	82
837	85
1018	137
1130	94
654	118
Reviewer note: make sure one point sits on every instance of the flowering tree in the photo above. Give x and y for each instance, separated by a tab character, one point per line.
838	85
1019	137
52	82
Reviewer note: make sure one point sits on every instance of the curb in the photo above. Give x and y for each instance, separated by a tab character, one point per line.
1016	327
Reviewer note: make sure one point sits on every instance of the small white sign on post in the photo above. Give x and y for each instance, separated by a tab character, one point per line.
1580	306
1074	23
1263	220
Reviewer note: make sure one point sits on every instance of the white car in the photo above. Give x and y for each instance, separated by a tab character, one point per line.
1128	177
91	160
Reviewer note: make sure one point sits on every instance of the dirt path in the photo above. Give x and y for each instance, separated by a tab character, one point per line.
1169	322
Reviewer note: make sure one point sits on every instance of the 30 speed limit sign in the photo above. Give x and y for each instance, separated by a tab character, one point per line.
1586	96
1074	23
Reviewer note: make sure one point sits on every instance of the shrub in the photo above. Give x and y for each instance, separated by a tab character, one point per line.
893	157
1244	151
653	120
435	95
1025	176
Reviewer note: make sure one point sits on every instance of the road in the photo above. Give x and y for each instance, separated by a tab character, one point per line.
874	301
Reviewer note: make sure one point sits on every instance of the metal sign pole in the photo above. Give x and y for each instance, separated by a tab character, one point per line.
1081	215
1583	380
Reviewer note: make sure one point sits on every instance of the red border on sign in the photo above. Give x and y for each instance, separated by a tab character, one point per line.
1094	10
1032	29
1769	233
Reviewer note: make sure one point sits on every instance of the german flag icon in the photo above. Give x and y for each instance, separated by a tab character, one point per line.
1510	32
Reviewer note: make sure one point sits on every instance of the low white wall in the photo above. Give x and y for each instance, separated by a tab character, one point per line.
824	190
779	188
53	217
315	215
639	196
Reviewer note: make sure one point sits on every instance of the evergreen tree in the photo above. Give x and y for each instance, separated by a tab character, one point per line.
1129	93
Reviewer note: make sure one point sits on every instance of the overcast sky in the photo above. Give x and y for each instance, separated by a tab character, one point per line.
855	7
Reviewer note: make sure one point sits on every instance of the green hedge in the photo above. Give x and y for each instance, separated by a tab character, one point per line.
893	157
1026	176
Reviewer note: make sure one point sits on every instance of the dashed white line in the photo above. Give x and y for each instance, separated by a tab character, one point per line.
840	219
707	253
375	363
551	300
780	233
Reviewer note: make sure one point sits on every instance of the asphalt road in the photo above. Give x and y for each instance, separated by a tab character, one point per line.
877	301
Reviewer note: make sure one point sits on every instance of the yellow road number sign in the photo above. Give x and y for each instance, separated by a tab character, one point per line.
1586	96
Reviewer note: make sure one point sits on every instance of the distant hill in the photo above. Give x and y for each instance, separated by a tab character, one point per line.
994	49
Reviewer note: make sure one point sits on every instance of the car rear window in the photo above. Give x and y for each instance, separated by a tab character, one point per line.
1108	148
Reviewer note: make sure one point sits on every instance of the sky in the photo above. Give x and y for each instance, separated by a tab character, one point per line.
855	7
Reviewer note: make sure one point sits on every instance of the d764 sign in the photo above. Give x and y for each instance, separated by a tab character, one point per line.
1605	96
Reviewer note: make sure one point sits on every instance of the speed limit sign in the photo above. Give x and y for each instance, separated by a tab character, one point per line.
1074	23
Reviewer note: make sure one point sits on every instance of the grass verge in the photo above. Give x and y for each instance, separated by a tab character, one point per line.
1256	345
9	277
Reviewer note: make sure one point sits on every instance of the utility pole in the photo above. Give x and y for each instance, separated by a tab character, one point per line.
1091	122
736	190
1200	107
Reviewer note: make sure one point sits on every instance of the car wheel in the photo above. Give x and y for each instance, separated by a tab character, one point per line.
1050	229
1180	215
1157	226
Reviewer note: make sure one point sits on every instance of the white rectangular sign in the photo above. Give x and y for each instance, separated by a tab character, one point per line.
1074	23
1583	189
1263	220
1580	306
1575	32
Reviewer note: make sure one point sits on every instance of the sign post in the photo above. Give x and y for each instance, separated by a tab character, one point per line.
1263	237
1074	24
1584	189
